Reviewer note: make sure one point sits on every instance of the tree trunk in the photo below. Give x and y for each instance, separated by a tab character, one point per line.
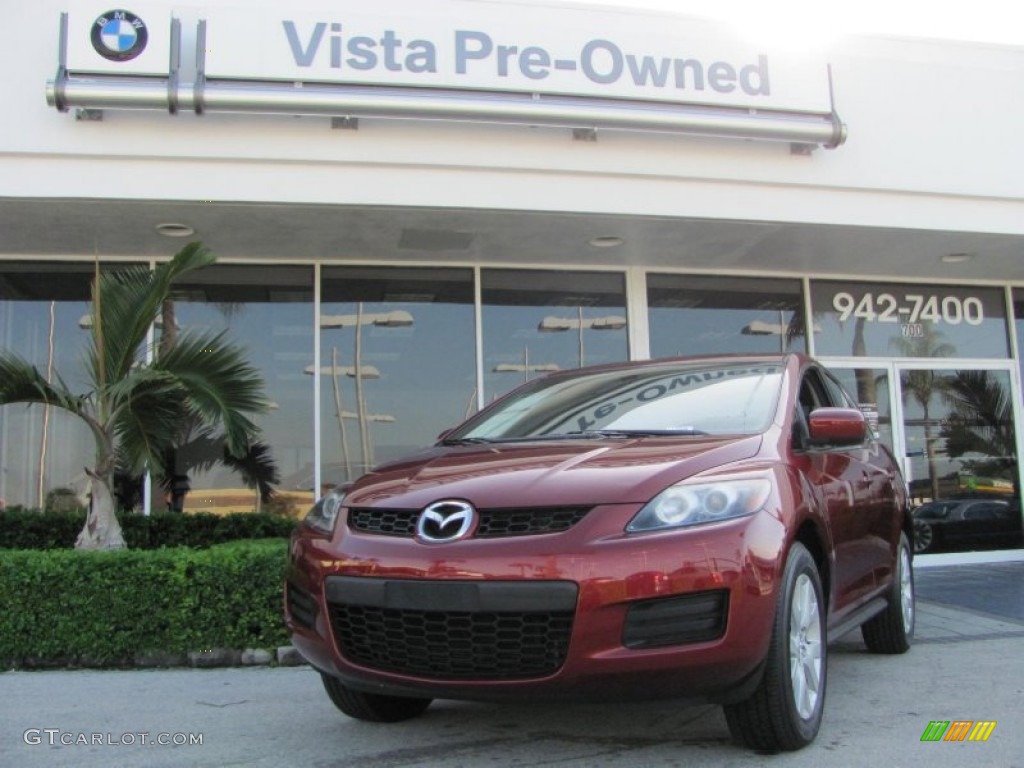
101	530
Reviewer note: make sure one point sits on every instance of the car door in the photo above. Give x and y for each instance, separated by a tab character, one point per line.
854	490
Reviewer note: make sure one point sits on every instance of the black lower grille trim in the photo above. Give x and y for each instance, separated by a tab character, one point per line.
302	606
679	620
472	630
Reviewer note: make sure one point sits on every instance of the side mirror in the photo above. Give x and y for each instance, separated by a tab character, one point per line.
837	426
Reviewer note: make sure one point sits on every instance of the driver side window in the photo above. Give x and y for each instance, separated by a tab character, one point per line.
814	393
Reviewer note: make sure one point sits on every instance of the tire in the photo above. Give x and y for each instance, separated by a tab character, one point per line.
892	631
924	537
372	707
785	710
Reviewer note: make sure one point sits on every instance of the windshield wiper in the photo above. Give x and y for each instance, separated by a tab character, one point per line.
684	431
526	438
466	441
585	434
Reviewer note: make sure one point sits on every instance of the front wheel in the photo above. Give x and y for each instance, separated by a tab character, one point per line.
784	712
892	630
373	707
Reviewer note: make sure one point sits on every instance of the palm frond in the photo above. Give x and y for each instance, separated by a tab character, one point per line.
147	416
257	468
201	451
130	301
123	323
981	417
21	382
218	384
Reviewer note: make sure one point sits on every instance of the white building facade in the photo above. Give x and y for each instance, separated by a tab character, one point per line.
473	192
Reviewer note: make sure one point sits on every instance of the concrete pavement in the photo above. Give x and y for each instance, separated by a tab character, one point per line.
966	665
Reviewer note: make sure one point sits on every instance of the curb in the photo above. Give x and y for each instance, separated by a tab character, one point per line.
282	656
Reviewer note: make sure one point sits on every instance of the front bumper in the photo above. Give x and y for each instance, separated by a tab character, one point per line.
582	613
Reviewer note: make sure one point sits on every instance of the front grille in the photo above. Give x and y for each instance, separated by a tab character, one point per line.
694	618
523	522
386	522
494	523
301	606
471	631
453	645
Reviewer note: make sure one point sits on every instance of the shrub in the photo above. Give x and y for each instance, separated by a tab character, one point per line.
22	528
203	529
29	529
107	608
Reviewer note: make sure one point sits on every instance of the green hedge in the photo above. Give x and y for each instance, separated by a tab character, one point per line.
108	608
31	529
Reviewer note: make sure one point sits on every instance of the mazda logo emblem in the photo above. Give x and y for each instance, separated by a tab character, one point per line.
445	521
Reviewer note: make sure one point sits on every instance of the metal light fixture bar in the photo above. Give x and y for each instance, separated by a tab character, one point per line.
209	96
522	109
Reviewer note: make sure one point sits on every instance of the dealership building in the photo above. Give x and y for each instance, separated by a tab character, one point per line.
415	209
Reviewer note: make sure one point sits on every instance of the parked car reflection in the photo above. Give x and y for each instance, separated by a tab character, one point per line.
960	524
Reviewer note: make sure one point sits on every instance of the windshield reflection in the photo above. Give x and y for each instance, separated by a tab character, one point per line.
649	401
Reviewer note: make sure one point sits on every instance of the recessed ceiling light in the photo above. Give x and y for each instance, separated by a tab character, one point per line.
174	229
609	241
957	258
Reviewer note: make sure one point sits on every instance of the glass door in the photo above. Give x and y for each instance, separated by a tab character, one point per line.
953	427
960	457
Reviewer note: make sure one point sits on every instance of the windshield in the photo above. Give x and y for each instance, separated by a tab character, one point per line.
685	399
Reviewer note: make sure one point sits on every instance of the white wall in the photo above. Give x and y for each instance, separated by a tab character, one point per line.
934	131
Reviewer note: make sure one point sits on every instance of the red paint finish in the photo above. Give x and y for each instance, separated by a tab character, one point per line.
824	482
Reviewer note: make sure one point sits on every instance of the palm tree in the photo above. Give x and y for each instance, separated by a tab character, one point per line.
198	447
135	408
981	422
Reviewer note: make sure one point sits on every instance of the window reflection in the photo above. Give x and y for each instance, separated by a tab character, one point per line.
657	401
961	464
540	321
909	321
268	311
699	314
870	388
43	450
397	363
1018	314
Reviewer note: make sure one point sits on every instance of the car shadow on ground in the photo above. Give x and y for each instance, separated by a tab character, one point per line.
634	733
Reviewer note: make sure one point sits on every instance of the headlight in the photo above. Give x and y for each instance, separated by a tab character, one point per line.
324	514
693	502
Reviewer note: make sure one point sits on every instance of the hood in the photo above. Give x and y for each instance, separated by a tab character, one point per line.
546	473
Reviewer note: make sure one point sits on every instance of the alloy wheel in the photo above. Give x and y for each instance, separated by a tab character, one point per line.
805	646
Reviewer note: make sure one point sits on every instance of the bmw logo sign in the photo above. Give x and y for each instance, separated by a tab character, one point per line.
119	35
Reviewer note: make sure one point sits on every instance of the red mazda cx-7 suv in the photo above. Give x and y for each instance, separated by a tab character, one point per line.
676	528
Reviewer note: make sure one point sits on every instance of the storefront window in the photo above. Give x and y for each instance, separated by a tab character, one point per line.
961	459
43	318
706	315
907	321
1018	314
539	321
397	362
267	310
